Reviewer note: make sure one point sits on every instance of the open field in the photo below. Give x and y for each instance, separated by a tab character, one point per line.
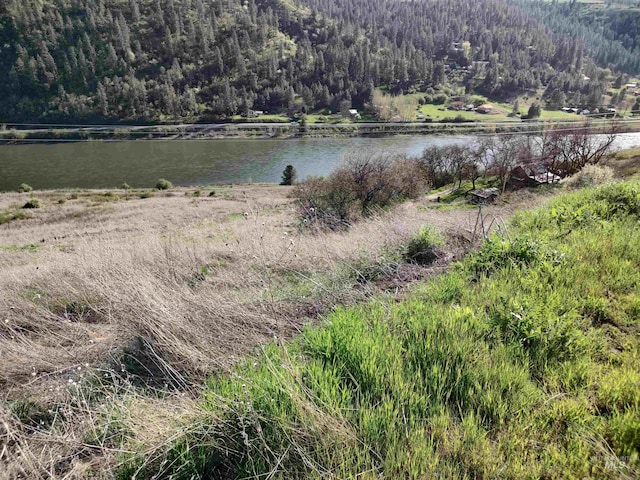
158	292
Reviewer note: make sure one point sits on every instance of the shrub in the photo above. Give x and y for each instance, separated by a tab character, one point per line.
163	184
534	111
32	203
24	188
146	194
440	99
422	247
591	175
364	183
125	186
212	193
288	175
498	253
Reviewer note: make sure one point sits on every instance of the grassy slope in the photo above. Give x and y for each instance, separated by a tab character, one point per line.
521	362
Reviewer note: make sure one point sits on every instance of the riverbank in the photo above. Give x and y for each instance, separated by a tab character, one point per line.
52	134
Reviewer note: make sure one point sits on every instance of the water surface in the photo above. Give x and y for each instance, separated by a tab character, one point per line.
197	162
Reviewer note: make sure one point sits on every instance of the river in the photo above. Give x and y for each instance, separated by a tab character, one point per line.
197	162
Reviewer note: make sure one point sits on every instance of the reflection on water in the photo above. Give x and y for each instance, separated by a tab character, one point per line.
193	162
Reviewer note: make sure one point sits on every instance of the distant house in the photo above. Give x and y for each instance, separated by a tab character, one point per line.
487	195
531	176
486	108
353	113
255	113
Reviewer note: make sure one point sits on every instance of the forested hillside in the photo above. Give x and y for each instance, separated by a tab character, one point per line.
164	60
610	33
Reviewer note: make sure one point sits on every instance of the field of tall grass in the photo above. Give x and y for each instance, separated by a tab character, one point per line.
522	361
115	306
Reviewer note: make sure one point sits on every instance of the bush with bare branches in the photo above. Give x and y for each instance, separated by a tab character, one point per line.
366	181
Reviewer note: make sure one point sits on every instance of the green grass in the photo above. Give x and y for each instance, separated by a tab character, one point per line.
28	247
271	118
521	362
7	216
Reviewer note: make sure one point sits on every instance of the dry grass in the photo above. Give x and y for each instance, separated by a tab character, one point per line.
625	163
160	292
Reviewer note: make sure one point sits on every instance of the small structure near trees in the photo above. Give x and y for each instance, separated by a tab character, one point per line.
484	196
531	176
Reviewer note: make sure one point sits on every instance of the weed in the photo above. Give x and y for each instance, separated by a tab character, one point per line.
25	188
591	175
422	247
6	217
29	247
163	184
147	194
31	414
32	203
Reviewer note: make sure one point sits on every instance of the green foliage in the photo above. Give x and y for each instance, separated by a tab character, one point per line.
25	188
163	184
8	216
288	175
535	110
32	203
609	34
500	253
125	186
422	247
178	60
31	414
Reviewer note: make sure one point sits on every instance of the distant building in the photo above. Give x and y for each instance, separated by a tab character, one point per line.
531	175
486	108
353	113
